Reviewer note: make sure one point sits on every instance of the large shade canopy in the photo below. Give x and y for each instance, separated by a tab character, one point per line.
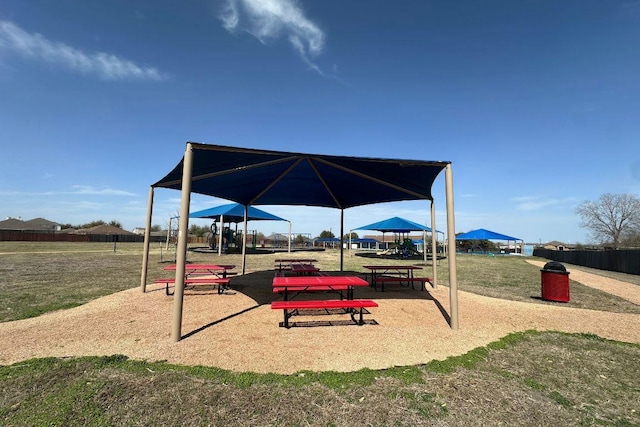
482	234
395	225
234	212
262	177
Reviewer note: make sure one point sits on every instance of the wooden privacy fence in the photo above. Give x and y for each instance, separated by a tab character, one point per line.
51	236
621	260
31	236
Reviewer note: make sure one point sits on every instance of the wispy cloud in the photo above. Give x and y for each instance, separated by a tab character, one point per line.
533	203
75	189
105	65
272	19
84	189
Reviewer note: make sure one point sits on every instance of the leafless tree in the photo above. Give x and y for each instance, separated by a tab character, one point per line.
612	218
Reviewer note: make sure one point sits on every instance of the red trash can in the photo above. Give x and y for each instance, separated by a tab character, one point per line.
555	282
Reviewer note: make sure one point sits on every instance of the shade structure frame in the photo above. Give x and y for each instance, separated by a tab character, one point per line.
418	187
262	177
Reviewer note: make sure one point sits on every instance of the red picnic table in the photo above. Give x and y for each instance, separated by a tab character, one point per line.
288	263
202	268
320	283
220	273
304	269
317	283
395	273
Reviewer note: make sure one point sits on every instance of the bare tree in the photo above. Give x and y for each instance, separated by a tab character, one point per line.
611	218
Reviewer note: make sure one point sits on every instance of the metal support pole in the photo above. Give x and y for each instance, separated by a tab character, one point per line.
181	251
169	233
220	230
147	234
244	239
451	239
340	240
434	245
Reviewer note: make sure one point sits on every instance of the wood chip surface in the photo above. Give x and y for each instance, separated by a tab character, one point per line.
239	331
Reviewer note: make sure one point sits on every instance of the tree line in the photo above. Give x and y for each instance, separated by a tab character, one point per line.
612	220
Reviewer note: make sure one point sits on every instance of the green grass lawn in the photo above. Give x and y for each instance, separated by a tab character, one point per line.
532	378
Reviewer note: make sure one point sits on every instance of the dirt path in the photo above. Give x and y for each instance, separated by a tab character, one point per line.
234	332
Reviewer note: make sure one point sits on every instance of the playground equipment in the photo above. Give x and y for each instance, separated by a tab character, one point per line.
407	248
212	238
231	239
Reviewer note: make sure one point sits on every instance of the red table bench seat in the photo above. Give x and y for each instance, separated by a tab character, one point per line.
412	280
314	288
221	283
291	307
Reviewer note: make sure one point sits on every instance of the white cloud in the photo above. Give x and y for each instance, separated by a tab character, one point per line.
531	203
105	65
75	189
83	189
271	19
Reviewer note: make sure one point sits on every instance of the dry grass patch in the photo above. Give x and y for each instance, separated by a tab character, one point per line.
527	379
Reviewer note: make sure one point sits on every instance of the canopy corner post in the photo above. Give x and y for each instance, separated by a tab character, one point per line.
147	235
451	242
220	235
341	240
181	251
434	245
244	239
289	247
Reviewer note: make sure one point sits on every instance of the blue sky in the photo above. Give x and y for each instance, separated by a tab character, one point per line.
535	103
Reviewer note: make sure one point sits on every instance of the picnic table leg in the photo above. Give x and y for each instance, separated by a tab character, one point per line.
360	321
222	287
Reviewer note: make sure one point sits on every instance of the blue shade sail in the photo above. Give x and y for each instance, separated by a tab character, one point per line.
234	212
262	177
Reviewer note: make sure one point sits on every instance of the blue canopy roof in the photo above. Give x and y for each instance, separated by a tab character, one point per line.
395	225
327	239
482	234
234	212
264	177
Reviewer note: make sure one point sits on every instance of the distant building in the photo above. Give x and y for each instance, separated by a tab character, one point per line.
36	224
104	229
554	245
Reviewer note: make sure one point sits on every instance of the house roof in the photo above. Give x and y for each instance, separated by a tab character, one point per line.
34	224
40	224
103	229
12	224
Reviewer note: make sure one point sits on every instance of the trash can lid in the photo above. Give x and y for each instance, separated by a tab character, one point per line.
554	266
